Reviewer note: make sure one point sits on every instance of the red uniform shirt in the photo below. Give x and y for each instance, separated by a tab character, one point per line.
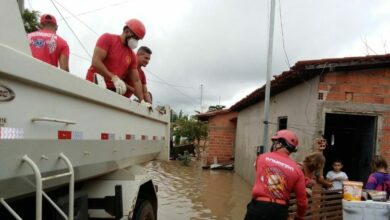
142	78
276	176
119	60
47	46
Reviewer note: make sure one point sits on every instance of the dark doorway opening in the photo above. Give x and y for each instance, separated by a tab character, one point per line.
351	138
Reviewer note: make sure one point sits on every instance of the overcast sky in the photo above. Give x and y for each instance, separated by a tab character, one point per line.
222	44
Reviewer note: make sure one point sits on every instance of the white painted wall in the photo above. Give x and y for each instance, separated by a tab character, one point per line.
299	104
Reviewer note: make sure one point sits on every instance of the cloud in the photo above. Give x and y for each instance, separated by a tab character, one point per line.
222	44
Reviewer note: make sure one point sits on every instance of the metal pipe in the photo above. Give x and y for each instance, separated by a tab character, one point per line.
56	176
55	205
67	122
71	185
13	213
38	187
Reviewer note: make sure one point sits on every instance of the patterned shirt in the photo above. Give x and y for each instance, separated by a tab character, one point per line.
379	181
47	46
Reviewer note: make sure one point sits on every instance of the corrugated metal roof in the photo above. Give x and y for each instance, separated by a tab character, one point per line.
307	69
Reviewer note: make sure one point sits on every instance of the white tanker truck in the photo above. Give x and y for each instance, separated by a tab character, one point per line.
68	148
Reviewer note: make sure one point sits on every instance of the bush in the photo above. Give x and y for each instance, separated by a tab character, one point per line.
184	158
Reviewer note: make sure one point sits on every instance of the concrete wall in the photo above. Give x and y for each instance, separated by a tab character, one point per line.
295	103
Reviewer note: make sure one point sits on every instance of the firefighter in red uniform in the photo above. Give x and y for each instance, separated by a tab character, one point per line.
115	60
277	175
47	46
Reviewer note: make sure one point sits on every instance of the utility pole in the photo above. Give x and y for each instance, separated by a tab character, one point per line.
201	98
268	77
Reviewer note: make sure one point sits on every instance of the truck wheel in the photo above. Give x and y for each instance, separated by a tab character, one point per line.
145	211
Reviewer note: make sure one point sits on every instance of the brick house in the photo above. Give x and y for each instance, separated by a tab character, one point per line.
345	99
221	135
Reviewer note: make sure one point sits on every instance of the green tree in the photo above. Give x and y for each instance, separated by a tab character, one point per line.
177	121
199	130
177	127
191	128
30	20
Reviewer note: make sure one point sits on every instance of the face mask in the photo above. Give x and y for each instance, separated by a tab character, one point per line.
132	43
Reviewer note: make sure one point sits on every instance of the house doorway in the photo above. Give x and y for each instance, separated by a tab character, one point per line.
351	138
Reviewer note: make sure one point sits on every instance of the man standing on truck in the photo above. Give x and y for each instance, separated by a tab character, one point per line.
277	175
143	56
115	60
47	46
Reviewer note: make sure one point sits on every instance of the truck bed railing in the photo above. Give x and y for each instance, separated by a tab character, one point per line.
66	122
9	208
39	193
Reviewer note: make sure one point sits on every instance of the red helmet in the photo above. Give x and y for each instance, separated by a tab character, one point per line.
289	136
47	18
137	27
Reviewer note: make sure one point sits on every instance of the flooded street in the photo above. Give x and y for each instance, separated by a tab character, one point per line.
193	193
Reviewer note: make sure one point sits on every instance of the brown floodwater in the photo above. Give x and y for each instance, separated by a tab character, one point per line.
189	192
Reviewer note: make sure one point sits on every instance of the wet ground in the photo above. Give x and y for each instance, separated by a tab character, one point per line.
193	193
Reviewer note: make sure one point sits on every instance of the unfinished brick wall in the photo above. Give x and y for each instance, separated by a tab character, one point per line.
385	138
371	86
222	131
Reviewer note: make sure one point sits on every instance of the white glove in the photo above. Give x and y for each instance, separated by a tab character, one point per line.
99	80
120	86
147	104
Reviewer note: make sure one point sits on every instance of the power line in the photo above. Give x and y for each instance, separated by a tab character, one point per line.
384	45
85	49
82	22
178	86
99	9
281	27
29	3
81	57
168	84
84	58
368	47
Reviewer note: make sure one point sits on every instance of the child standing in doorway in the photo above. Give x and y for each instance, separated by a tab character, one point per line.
336	176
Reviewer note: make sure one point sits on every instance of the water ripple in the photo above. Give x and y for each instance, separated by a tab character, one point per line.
196	194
